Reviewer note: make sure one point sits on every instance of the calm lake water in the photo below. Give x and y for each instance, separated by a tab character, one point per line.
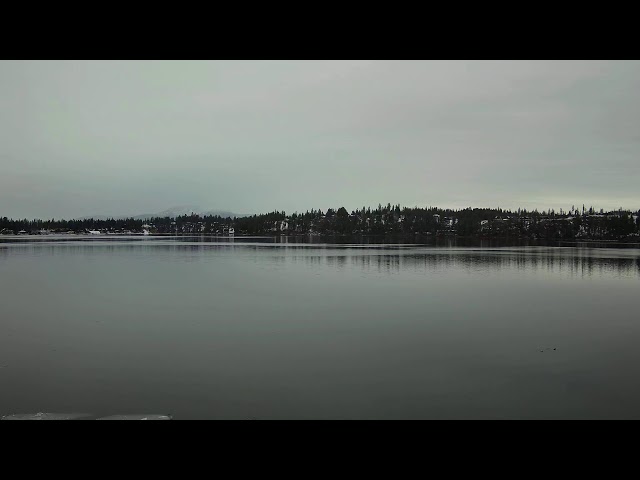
276	329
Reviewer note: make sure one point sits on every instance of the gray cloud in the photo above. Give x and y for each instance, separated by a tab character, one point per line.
83	138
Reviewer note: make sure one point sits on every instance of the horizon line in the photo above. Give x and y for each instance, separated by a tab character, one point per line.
429	207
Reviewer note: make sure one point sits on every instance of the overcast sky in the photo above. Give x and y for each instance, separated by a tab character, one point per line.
84	138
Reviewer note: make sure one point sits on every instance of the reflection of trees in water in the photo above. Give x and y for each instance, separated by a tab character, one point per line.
382	263
575	264
388	263
336	260
193	251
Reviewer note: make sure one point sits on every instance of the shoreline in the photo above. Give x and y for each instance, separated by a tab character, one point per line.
397	238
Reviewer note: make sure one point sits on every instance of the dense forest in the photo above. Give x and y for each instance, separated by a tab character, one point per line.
383	220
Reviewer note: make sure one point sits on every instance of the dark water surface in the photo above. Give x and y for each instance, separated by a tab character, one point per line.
269	329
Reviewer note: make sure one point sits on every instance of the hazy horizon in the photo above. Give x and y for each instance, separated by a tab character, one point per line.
85	138
215	211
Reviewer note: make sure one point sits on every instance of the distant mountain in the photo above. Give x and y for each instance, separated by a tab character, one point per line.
171	212
225	214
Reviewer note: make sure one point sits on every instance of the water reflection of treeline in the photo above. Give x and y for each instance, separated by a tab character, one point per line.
387	258
573	265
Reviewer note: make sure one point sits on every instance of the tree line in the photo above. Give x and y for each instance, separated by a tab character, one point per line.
381	220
